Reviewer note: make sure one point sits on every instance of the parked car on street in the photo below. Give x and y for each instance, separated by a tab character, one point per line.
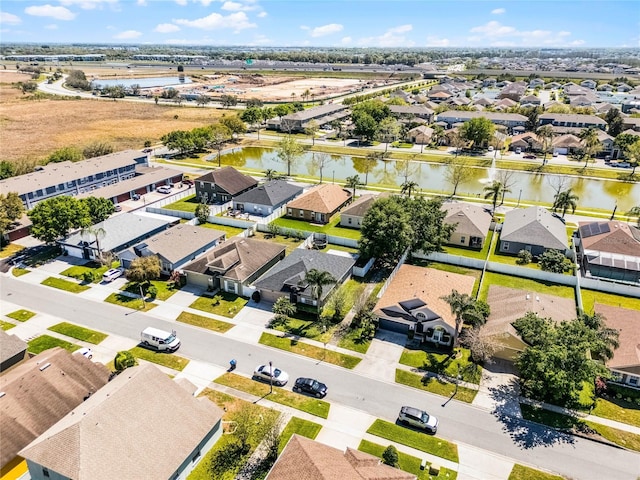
518	150
418	418
310	386
271	374
529	156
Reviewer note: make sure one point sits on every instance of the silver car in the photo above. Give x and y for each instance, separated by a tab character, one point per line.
271	374
418	418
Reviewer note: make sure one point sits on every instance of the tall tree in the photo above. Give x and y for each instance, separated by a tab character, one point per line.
386	230
317	280
220	134
98	234
564	201
591	143
289	149
366	127
311	129
320	161
614	122
55	217
388	129
353	182
11	209
458	171
65	154
99	208
144	269
632	153
477	130
494	191
234	123
545	134
605	339
462	306
252	116
408	187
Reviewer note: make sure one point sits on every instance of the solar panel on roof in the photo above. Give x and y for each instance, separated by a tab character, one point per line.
592	229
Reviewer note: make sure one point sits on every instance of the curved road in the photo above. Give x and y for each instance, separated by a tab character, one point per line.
517	439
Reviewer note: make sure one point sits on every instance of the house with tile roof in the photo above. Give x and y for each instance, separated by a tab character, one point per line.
13	350
420	135
306	459
234	265
222	185
351	217
287	277
266	198
625	364
319	204
533	229
39	392
412	303
472	224
609	250
164	430
175	246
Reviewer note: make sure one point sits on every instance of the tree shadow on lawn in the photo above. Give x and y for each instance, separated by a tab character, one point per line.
525	434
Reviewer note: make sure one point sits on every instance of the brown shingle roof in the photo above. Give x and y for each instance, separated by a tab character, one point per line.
427	284
178	242
323	198
37	397
361	205
620	238
229	179
471	219
627	322
141	412
305	459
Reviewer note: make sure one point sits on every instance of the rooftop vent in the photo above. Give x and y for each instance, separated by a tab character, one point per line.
45	366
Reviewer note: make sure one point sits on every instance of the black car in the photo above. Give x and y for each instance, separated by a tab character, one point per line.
310	386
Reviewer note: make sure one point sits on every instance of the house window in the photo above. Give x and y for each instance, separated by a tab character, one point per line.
289	211
45	472
463	239
633	380
301	213
349	220
505	246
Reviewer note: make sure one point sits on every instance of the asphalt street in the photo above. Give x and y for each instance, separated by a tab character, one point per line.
459	422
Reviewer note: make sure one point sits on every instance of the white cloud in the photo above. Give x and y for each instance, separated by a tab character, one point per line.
391	38
236	21
237	7
59	13
346	41
433	41
494	29
205	3
262	14
181	2
51	26
576	43
166	28
141	3
127	35
9	18
497	35
498	11
87	4
324	30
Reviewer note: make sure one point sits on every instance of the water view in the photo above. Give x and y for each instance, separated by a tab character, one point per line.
142	82
525	186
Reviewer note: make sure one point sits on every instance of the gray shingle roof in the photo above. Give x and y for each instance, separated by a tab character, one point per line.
229	179
10	345
534	226
183	240
470	219
272	193
361	206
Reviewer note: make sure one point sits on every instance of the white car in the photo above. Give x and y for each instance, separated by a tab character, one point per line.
271	374
418	418
163	189
111	274
85	352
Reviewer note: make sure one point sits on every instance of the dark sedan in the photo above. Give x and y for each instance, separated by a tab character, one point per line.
310	386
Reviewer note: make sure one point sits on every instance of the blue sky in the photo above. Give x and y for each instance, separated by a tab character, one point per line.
349	23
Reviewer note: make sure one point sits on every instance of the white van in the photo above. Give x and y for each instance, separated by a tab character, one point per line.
160	339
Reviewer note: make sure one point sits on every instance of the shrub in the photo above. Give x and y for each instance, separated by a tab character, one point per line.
390	456
152	291
554	261
524	257
124	359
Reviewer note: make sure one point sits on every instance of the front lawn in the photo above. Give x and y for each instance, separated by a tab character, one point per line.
65	285
129	302
305	325
434	385
10	249
204	322
21	315
224	304
18	272
169	360
298	426
7	325
519	283
591	297
187	204
408	463
45	342
301	348
442	363
351	289
622	405
520	472
78	271
78	332
353	340
418	440
310	405
164	289
332	228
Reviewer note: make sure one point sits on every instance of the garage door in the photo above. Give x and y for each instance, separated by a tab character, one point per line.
561	150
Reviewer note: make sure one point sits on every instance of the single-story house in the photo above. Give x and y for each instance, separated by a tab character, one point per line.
533	229
513	91
13	350
412	303
113	235
526	141
303	458
510	304
420	135
234	265
588	83
609	250
352	215
625	364
175	247
287	277
164	430
39	392
530	100
322	115
222	185
319	203
472	224
264	199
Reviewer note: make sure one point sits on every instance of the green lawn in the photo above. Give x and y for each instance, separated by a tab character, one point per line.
45	342
77	271
165	289
204	322
289	243
10	249
520	472
301	348
6	325
187	204
618	409
341	248
418	440
353	341
21	315
548	288
301	427
591	297
470	252
408	463
66	285
230	231
18	272
129	302
330	228
310	405
79	333
351	289
440	362
305	325
433	385
224	304
161	358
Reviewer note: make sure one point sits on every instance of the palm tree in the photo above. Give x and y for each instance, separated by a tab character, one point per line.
306	94
317	279
564	201
462	307
606	338
545	133
98	234
408	187
635	212
494	191
589	137
270	174
353	182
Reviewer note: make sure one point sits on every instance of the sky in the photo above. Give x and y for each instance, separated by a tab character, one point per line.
329	23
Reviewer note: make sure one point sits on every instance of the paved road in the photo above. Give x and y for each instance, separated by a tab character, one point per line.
460	422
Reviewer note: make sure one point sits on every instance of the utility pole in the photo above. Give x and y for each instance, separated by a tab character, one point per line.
270	377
